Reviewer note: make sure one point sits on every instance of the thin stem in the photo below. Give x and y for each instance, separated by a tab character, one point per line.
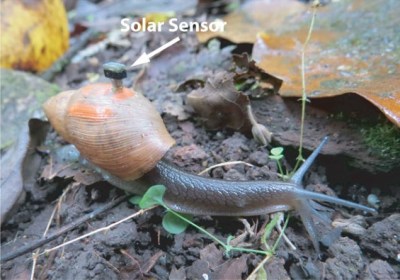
196	226
35	254
268	230
281	230
271	253
227	247
281	234
280	168
224	164
97	230
250	115
250	250
253	273
304	94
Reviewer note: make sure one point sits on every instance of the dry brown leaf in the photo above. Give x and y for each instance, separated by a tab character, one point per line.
220	104
63	162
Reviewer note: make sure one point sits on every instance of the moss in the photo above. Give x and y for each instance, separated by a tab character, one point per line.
383	138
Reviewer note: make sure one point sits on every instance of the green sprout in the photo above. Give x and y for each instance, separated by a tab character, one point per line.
277	155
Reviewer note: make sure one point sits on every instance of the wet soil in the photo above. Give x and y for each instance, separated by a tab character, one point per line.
141	249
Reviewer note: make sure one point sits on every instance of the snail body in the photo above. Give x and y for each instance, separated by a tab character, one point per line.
120	132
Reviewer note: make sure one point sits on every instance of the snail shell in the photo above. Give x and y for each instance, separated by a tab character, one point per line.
116	129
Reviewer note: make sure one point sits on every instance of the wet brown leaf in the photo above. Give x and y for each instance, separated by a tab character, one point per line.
253	16
352	48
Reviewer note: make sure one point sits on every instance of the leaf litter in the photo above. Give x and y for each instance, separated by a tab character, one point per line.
150	238
352	48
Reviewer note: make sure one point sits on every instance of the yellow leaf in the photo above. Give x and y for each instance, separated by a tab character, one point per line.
34	33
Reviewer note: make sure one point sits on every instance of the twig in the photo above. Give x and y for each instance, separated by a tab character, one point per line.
109	264
281	231
97	230
60	64
224	164
36	244
35	254
253	273
272	251
57	207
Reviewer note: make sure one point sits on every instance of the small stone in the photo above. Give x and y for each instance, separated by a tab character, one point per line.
258	158
383	237
381	270
234	175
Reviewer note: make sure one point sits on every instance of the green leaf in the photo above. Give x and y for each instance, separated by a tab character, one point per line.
276	157
277	151
135	200
268	229
153	196
173	224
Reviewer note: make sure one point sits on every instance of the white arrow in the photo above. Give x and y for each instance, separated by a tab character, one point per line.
145	58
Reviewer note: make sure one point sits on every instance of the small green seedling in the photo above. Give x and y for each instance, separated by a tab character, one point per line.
268	230
153	196
135	200
277	155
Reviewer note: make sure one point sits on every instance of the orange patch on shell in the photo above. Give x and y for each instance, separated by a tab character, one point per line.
90	112
123	94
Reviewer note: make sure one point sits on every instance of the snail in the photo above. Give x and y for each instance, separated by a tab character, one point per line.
121	133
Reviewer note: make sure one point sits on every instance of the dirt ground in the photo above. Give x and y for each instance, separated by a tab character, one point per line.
367	248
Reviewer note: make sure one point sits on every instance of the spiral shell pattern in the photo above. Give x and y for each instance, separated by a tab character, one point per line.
117	130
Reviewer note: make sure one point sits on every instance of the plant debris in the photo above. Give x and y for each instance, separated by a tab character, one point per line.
221	105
